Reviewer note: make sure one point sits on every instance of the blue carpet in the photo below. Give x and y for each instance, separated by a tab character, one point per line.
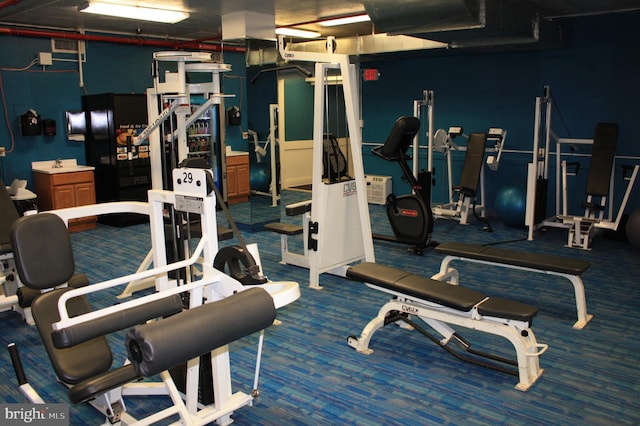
310	376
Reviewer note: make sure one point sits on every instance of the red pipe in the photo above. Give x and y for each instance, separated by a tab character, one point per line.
8	3
176	44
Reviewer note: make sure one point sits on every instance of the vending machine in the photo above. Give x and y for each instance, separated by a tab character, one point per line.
122	167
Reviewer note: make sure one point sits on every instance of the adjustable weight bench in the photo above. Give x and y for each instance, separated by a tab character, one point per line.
568	268
439	304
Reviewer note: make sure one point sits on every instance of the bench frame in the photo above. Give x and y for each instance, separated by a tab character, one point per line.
451	275
439	317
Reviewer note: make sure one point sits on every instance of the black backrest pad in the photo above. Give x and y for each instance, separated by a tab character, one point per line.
42	251
8	215
400	137
602	155
473	163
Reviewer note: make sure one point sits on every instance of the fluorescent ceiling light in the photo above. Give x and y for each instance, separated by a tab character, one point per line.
133	12
344	21
297	33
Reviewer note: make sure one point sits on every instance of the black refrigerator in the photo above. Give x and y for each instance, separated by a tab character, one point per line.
122	166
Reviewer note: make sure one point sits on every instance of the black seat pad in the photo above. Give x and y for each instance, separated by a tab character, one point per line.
284	228
76	364
543	262
88	389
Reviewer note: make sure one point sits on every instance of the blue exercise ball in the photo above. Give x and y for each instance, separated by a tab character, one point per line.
260	178
510	205
632	229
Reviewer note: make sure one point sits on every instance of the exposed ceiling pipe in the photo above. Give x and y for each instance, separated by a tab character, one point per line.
8	3
196	45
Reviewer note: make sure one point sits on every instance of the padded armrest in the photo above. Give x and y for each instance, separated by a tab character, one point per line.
68	337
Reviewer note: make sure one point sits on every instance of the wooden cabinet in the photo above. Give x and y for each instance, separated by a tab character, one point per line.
238	187
63	190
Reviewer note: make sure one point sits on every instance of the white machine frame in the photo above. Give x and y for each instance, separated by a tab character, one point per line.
176	92
582	229
459	207
190	194
439	317
271	144
339	209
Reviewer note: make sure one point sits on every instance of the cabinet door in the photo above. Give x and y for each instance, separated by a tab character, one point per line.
243	180
85	194
232	181
64	196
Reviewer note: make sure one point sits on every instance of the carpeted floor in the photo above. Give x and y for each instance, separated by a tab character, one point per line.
310	376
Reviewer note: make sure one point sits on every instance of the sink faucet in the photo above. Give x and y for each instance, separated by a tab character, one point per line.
58	164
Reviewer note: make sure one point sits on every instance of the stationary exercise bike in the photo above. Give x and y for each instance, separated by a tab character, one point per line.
410	215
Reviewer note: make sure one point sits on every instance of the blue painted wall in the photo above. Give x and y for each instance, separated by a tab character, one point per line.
50	92
595	78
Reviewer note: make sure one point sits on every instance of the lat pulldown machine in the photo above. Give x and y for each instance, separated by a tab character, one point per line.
338	206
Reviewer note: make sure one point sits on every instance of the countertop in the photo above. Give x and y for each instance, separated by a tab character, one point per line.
68	166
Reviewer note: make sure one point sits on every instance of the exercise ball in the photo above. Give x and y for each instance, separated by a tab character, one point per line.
632	229
260	178
510	205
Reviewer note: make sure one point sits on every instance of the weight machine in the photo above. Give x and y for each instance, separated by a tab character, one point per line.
337	225
467	197
168	344
168	131
581	228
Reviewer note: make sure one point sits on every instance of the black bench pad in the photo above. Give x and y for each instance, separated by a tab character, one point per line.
544	262
283	228
497	306
451	296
